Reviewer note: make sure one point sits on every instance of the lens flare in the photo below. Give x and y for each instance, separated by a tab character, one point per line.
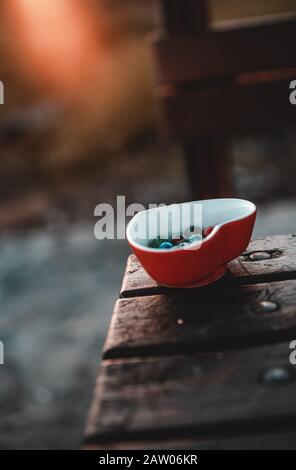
55	40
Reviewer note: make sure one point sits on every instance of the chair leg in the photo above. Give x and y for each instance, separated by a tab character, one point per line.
208	165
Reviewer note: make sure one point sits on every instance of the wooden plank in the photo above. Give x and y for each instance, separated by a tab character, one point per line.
252	21
136	281
232	9
219	54
202	320
211	112
277	441
208	395
209	168
280	265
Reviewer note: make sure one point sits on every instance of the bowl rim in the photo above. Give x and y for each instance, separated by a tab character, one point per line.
133	243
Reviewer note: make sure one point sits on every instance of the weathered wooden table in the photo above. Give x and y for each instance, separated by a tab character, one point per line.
202	368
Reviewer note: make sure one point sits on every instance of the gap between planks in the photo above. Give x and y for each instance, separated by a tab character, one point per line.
209	320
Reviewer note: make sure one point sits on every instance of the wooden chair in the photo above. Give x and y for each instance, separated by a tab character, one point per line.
214	82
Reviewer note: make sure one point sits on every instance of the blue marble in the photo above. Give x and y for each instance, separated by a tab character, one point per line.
166	245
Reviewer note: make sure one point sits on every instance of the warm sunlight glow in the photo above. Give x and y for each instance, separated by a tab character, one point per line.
55	40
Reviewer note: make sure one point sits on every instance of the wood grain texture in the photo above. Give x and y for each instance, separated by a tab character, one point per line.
204	394
183	369
203	319
221	110
281	265
218	54
136	281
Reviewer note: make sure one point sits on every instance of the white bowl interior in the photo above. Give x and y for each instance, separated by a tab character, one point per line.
177	218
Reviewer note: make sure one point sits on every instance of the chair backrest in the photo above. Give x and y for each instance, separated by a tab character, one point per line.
220	80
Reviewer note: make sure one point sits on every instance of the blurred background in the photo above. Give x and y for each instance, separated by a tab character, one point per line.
80	126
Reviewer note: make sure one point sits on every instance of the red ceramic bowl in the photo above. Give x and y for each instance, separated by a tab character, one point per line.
202	262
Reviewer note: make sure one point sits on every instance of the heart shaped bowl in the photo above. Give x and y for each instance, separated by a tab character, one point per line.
201	262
